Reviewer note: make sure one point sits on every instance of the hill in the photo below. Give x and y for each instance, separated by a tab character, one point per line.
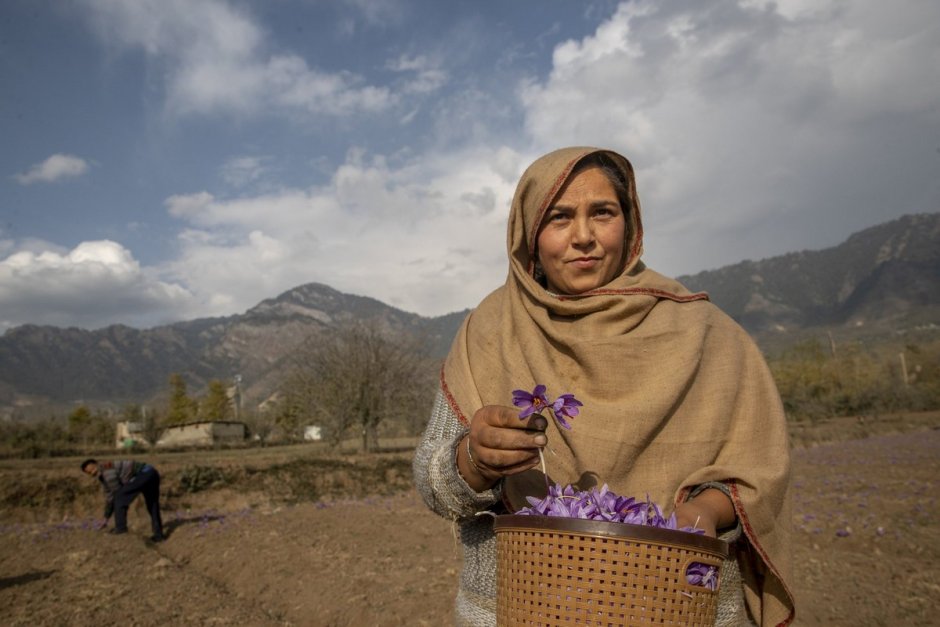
881	280
118	364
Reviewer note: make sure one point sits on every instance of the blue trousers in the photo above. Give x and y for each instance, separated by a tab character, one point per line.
147	481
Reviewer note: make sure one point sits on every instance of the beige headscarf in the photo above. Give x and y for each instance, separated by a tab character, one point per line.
675	393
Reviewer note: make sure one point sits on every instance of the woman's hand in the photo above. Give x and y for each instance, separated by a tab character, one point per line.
500	444
711	510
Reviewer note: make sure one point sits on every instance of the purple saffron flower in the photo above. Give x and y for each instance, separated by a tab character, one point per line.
699	574
654	516
565	406
531	403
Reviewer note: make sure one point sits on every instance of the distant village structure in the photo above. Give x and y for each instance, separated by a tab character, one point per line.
205	433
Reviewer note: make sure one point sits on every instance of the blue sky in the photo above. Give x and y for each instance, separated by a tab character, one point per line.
171	159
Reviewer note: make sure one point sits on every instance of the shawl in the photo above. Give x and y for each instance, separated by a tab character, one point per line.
675	393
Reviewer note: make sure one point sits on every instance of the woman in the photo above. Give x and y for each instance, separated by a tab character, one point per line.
678	402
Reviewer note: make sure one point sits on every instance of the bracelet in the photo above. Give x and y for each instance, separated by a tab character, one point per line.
470	458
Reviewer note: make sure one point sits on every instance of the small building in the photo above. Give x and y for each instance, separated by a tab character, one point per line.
313	433
205	433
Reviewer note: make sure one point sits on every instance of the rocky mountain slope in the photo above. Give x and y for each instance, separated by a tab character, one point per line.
120	364
885	276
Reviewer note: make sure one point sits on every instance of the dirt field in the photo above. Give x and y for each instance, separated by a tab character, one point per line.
247	548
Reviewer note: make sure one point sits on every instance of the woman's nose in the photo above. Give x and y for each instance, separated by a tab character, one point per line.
583	233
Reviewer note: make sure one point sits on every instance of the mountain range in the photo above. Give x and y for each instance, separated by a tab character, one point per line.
885	278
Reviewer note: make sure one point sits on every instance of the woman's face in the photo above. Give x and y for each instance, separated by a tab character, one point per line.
581	239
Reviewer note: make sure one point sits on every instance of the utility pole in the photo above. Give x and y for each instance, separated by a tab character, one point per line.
238	397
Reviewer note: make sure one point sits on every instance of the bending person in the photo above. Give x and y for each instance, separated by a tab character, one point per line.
122	481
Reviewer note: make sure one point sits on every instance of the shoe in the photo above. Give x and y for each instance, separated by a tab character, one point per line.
156	538
117	532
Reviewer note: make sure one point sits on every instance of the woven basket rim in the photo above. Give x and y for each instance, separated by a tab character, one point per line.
600	528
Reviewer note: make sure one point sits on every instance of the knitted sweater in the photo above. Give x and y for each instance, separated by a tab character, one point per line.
113	475
447	494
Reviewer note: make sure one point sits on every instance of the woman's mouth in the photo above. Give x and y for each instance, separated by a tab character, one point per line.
585	263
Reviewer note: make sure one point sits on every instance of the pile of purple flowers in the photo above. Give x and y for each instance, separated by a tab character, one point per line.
604	505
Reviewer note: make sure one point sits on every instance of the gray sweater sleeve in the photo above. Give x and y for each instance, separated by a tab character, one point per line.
435	468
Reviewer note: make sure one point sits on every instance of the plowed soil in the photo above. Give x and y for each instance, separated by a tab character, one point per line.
867	548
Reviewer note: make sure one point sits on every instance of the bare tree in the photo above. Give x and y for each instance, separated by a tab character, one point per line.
150	426
358	377
81	424
145	420
261	423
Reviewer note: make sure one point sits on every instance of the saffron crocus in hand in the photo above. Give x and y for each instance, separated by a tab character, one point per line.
535	402
565	406
531	403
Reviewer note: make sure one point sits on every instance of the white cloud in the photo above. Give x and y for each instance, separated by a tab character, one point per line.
428	77
216	59
95	284
55	168
241	171
29	244
378	12
426	236
188	205
756	127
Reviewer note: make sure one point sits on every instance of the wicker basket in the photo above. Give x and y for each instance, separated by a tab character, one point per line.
568	571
